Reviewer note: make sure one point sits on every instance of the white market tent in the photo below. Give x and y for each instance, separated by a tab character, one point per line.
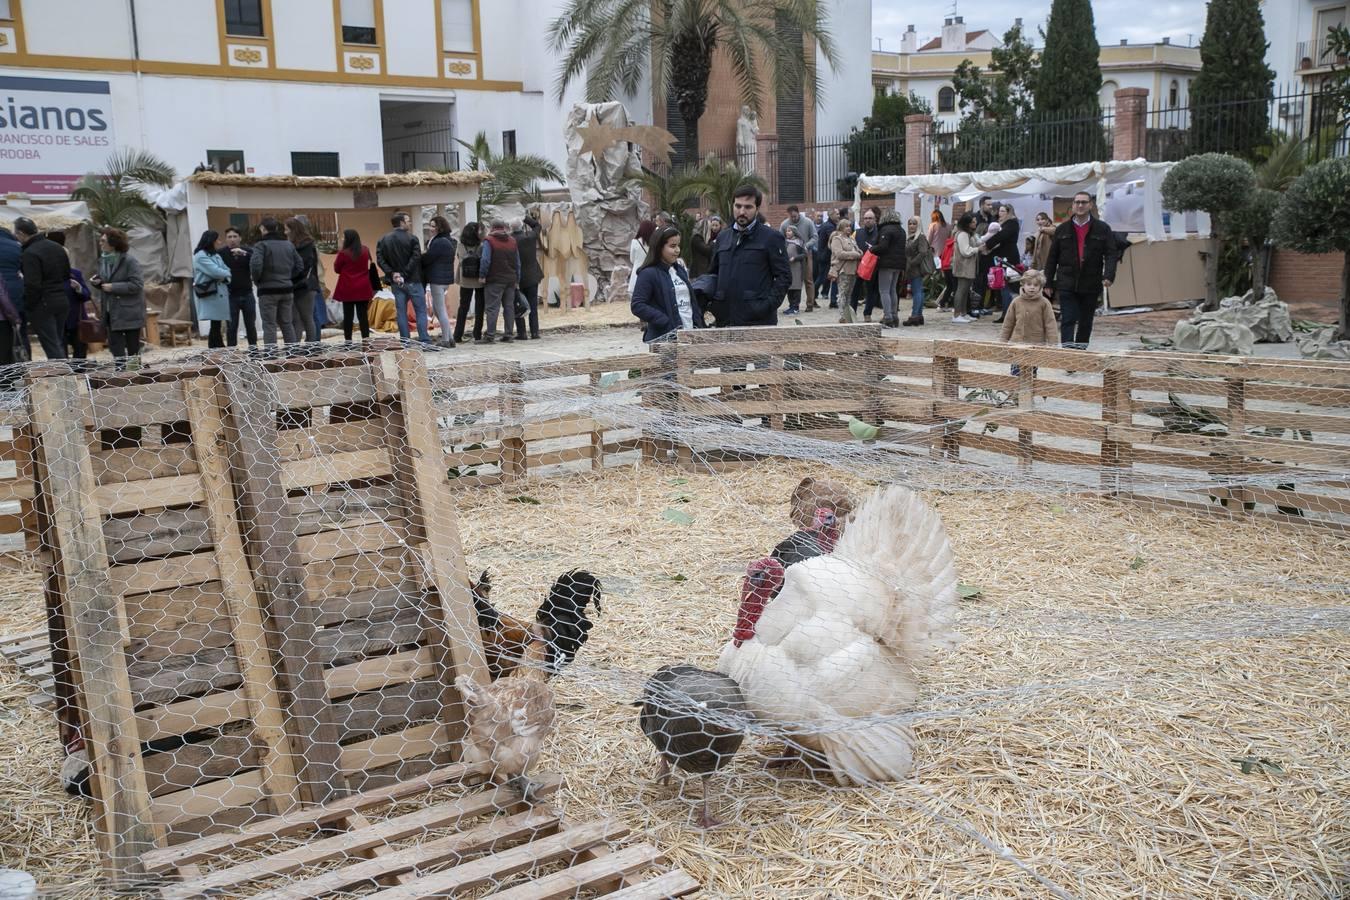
1137	185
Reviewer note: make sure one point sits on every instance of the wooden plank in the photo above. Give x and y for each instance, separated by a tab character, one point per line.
1273	449
768	335
163	574
206	800
1314	503
373	535
379	672
570	882
189	715
460	647
502	864
357	841
278	776
672	884
418	740
349	575
164	532
325	440
143	463
191	764
352	641
558	457
373	604
696	406
601	366
94	618
489	837
569	425
334	467
1022	354
323	387
340	506
167	859
137	404
269	541
368	715
128	496
174	677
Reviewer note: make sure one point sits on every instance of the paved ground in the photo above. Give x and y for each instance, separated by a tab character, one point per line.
610	330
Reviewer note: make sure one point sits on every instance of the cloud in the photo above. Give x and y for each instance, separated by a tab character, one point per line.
1115	19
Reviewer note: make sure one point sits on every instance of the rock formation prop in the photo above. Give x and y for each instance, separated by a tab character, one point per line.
607	209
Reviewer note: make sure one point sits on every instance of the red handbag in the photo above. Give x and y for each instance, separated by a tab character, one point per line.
867	267
997	277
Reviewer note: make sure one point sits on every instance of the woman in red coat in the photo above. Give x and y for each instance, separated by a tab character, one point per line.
354	290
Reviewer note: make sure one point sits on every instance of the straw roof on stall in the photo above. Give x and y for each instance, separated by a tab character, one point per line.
1085	739
352	182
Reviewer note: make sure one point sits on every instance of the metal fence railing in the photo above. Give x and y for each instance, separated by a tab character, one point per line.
1038	139
1306	113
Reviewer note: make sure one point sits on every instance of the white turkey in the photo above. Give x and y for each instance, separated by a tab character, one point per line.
836	655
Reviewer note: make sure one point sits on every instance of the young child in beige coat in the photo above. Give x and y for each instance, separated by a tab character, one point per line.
1030	318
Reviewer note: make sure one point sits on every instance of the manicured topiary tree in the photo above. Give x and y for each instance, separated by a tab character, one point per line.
1252	222
1314	217
1216	184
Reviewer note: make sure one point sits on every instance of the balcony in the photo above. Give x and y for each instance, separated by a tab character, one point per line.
1316	56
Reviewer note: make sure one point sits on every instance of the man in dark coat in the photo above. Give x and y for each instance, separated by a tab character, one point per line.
46	273
822	282
1082	262
526	234
751	264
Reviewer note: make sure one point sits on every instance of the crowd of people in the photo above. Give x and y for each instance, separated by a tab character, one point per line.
274	286
748	272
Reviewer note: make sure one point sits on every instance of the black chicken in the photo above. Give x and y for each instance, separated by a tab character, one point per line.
561	622
695	719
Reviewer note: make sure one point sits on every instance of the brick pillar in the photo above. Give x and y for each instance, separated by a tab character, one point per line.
766	162
1130	124
919	144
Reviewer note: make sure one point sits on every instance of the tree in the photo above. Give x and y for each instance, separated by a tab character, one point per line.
1252	222
114	195
1004	94
513	177
1216	184
616	43
1230	98
879	148
1338	84
1068	86
1314	217
716	184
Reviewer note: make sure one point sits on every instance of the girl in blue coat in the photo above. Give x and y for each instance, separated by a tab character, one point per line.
211	287
663	297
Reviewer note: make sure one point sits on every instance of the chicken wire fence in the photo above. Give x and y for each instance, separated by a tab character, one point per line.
279	618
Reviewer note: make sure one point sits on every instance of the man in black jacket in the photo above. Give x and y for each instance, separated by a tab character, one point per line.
751	264
399	256
1082	262
242	302
526	232
46	272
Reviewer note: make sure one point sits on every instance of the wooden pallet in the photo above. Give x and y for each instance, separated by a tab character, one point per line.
31	654
256	585
462	839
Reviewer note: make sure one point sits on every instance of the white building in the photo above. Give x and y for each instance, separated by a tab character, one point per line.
1165	69
310	87
1297	32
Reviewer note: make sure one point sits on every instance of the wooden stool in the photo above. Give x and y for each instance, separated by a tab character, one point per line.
173	332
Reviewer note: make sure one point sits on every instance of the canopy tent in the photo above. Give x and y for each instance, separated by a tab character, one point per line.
1134	187
72	217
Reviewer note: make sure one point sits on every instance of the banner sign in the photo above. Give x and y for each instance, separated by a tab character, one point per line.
52	132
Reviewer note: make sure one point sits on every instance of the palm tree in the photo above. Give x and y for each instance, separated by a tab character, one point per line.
716	182
512	176
616	43
114	195
669	192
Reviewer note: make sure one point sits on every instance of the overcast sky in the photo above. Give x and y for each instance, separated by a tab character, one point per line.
1141	21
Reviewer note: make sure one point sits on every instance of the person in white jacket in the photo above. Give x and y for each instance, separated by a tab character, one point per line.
637	252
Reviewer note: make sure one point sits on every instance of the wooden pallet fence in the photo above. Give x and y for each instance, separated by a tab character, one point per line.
260	602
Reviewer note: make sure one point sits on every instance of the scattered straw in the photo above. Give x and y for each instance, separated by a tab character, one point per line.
1080	742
